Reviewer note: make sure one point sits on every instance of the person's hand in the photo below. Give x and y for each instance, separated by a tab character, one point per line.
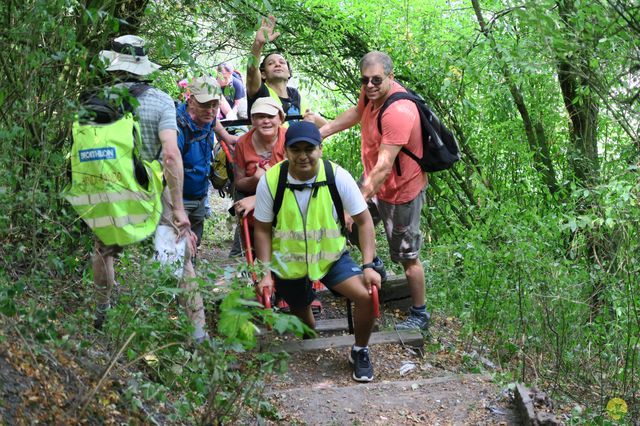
371	278
367	190
263	163
348	221
245	206
265	32
309	116
265	282
181	223
259	172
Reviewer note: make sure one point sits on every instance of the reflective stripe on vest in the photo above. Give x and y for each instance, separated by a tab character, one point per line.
306	246
107	197
119	222
103	188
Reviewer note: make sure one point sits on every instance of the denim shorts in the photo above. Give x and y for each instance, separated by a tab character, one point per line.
299	292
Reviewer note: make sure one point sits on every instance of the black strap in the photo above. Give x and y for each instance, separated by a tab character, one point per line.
303	186
391	99
335	195
330	182
128	49
277	199
247	121
136	90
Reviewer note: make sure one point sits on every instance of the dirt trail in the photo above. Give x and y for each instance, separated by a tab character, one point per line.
431	385
454	399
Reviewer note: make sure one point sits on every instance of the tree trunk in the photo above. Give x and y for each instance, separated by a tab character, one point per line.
580	102
538	146
581	105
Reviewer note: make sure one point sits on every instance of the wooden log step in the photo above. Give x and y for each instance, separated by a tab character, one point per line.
336	324
408	337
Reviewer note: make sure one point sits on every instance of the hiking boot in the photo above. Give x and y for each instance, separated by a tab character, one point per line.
378	266
362	368
416	320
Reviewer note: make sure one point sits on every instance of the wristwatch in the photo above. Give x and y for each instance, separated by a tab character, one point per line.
368	265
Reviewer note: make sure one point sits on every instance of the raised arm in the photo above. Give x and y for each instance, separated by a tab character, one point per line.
265	34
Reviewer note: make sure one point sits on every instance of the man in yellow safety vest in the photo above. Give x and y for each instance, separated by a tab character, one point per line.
303	240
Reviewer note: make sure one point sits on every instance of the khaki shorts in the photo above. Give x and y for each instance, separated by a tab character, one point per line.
401	225
196	211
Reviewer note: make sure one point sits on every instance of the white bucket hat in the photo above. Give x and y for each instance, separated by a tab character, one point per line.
128	54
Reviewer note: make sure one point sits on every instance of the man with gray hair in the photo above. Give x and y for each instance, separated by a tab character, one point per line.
174	242
394	184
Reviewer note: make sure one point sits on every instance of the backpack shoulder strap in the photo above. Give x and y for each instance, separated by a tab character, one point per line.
391	99
277	199
335	195
136	90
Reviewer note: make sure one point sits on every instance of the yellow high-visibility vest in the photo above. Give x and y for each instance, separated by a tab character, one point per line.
305	246
104	190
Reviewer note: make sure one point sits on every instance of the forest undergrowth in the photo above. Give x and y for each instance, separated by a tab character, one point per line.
532	240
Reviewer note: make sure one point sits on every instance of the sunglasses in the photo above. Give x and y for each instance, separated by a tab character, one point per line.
376	80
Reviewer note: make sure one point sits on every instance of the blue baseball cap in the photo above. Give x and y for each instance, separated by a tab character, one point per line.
302	131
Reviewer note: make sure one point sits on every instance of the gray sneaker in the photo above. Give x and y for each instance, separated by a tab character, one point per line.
415	321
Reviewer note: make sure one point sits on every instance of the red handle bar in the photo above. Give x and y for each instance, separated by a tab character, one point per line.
376	301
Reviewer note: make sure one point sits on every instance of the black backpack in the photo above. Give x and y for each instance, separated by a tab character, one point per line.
439	147
330	182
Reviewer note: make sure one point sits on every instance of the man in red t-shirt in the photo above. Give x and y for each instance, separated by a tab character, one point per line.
395	199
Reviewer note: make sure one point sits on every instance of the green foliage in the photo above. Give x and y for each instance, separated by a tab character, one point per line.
515	281
549	282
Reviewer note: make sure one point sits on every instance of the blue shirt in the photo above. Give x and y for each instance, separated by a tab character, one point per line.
196	146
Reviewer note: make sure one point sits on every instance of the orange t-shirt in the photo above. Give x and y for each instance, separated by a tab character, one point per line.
247	158
400	126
